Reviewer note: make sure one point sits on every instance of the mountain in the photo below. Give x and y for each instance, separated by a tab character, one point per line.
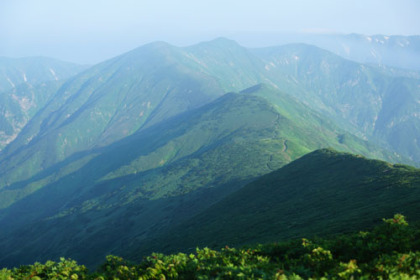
396	51
158	81
160	176
358	95
400	52
164	170
134	146
26	84
373	104
323	192
105	104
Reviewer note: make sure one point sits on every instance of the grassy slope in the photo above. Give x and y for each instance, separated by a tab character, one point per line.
126	190
134	91
140	184
26	84
21	104
321	193
148	85
105	104
378	104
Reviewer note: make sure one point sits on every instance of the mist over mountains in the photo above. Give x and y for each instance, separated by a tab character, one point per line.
101	159
383	50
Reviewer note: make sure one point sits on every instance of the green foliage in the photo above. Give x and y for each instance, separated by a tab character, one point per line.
350	256
323	192
210	147
64	269
142	134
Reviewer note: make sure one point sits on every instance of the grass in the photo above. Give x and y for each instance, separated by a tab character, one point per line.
324	192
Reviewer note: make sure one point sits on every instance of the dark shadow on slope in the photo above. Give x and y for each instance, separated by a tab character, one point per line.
150	139
77	187
24	222
89	236
322	193
147	136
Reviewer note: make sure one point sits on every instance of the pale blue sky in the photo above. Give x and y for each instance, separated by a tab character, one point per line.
89	31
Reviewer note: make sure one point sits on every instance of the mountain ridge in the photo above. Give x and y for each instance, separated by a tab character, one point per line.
204	151
138	144
317	194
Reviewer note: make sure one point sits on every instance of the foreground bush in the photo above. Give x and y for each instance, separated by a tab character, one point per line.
390	251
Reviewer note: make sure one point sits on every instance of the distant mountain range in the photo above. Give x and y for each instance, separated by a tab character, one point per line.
114	155
397	51
381	105
26	85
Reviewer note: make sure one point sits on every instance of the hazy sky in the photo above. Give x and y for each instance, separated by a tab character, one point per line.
89	31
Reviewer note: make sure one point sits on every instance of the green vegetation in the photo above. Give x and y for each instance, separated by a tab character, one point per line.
151	84
26	85
138	146
323	192
389	251
377	104
160	176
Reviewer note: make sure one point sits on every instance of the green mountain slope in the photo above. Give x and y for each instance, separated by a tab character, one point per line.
138	144
370	102
26	84
233	66
159	176
324	192
148	85
19	105
105	104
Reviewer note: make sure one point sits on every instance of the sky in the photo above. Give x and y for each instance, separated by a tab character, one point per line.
90	31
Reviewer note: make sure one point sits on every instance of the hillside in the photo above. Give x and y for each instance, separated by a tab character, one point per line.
26	85
19	106
104	104
324	192
134	146
148	85
376	105
160	176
